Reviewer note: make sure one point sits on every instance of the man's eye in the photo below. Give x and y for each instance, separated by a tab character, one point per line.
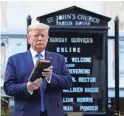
36	35
42	35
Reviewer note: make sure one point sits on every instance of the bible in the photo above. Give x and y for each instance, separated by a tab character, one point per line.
38	69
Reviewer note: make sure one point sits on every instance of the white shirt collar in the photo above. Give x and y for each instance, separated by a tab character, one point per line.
34	53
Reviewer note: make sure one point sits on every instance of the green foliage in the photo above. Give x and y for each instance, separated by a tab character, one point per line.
4	107
4	100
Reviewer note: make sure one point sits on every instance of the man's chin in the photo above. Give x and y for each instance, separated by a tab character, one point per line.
39	49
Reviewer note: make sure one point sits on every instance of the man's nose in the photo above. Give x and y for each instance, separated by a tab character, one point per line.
40	37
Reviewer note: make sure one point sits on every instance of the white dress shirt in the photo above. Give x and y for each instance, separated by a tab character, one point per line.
34	53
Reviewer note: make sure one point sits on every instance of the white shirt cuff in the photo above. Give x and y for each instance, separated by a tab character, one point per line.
48	80
30	92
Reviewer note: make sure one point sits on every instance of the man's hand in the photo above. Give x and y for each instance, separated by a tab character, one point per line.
48	72
34	85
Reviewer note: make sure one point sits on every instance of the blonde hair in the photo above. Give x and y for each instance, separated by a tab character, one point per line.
37	26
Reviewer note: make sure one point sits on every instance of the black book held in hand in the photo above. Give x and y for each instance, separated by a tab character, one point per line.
38	69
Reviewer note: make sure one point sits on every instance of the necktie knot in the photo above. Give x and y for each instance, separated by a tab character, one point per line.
39	56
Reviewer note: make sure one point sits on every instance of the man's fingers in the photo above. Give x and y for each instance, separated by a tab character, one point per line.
46	73
31	86
38	81
49	68
34	85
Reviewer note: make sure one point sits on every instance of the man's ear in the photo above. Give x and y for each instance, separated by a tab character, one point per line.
28	39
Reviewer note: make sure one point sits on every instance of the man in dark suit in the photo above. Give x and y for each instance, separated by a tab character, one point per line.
43	96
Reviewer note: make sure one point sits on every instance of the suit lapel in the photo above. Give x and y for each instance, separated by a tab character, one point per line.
29	61
47	55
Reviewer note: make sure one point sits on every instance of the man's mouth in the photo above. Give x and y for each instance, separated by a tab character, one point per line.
39	44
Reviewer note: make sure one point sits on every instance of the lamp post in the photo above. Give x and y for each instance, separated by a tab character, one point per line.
3	59
117	63
29	19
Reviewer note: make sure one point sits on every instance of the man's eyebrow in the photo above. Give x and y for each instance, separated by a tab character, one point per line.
36	33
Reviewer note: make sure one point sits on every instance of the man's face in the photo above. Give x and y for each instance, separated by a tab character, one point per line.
38	39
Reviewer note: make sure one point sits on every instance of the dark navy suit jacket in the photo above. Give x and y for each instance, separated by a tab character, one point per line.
18	70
